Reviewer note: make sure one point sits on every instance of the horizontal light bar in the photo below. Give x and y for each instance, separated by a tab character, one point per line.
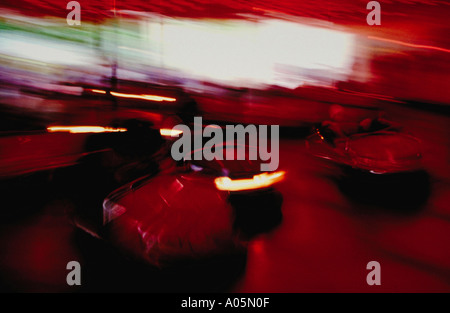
258	181
168	132
98	91
134	96
143	97
85	129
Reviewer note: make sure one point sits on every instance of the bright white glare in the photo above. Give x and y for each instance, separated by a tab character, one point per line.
166	132
306	46
43	50
248	51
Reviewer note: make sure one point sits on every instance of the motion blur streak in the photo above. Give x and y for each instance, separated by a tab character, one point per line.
258	181
144	97
85	129
407	44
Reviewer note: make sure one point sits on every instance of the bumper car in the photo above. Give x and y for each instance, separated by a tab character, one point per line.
373	145
380	165
190	210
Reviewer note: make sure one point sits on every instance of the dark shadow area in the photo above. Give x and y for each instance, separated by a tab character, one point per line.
298	132
106	269
442	109
24	196
402	193
11	122
256	212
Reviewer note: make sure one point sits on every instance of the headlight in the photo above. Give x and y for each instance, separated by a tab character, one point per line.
258	181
